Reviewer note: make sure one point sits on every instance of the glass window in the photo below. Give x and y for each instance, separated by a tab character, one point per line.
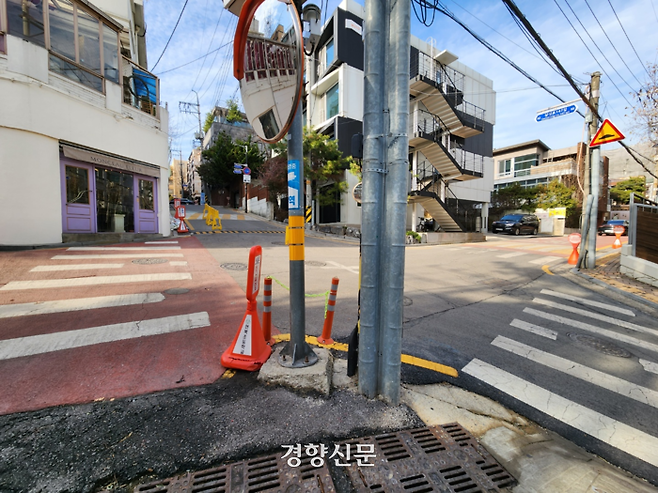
522	164
329	53
77	185
89	48
114	201
110	54
3	28
504	167
25	20
332	101
62	34
73	72
146	195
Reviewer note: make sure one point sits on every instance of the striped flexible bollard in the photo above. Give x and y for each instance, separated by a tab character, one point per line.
267	311
325	338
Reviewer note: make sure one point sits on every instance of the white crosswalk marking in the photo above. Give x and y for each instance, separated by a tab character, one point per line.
511	255
535	329
93	281
596	316
649	366
60	306
98	249
57	341
585	301
613	432
590	375
161	242
178	263
57	268
545	260
115	256
592	328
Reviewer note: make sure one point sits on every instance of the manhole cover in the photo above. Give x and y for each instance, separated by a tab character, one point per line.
177	291
406	301
600	345
148	261
234	266
315	263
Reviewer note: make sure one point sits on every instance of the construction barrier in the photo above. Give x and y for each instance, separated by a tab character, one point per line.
206	208
212	218
248	351
325	338
267	311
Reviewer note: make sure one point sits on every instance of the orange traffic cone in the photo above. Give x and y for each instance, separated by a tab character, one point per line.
248	351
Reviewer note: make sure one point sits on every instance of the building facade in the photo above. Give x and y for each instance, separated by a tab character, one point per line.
83	139
452	113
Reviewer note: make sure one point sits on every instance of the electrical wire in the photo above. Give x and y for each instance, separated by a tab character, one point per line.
195	60
171	35
629	39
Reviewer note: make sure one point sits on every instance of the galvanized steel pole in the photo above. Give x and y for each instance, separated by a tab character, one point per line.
372	218
397	164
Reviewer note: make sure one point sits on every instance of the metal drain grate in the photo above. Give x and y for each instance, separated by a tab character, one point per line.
442	458
234	266
266	474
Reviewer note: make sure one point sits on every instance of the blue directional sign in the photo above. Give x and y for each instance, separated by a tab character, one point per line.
548	114
237	168
294	185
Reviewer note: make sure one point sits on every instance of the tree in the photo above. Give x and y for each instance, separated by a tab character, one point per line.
210	118
216	169
646	109
556	194
621	192
233	114
513	197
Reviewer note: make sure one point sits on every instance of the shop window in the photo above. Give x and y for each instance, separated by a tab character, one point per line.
114	201
25	20
146	202
332	101
77	185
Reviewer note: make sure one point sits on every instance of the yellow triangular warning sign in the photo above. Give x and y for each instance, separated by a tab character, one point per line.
607	133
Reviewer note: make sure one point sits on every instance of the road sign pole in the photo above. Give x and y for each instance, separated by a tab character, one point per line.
595	176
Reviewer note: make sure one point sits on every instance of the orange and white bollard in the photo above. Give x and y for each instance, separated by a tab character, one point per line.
574	239
267	311
618	230
325	338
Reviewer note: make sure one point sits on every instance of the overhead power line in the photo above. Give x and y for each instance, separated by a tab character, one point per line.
629	39
171	35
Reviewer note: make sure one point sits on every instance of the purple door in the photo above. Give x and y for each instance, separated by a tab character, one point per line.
146	200
79	206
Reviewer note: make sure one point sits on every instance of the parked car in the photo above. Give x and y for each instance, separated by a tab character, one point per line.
608	227
183	202
516	224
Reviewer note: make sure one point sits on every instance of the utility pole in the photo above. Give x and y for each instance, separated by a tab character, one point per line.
593	179
190	108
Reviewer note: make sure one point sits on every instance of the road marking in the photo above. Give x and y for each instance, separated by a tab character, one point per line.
592	328
93	281
585	373
535	329
354	269
545	260
546	269
160	242
585	301
510	255
55	268
649	366
60	306
613	432
125	249
58	341
115	256
178	263
597	316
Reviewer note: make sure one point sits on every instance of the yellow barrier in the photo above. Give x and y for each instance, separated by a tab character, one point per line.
206	208
212	218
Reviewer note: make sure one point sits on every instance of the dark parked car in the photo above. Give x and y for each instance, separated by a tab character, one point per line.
183	202
516	224
608	227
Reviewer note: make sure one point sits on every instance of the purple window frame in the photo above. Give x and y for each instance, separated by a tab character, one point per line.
3	27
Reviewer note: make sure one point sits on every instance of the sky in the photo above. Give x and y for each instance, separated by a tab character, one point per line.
618	38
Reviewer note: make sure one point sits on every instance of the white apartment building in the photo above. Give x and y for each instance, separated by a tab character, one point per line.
83	140
452	113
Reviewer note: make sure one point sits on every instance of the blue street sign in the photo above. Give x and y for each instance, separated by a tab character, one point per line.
564	110
294	185
238	166
246	170
237	171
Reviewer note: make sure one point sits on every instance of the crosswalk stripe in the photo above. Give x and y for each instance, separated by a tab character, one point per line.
161	242
545	260
511	255
178	263
93	281
585	373
535	329
58	341
592	328
61	306
597	316
56	268
608	430
649	366
100	256
98	249
585	301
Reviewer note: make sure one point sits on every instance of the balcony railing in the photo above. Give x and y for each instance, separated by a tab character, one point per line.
141	88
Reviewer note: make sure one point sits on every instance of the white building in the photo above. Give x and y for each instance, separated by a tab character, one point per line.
452	113
83	140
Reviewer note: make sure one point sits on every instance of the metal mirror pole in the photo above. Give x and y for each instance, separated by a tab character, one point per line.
297	353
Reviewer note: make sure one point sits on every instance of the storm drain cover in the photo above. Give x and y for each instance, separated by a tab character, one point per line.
600	345
234	266
443	458
149	261
263	475
177	291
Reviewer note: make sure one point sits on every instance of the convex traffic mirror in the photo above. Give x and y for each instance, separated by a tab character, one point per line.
268	62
